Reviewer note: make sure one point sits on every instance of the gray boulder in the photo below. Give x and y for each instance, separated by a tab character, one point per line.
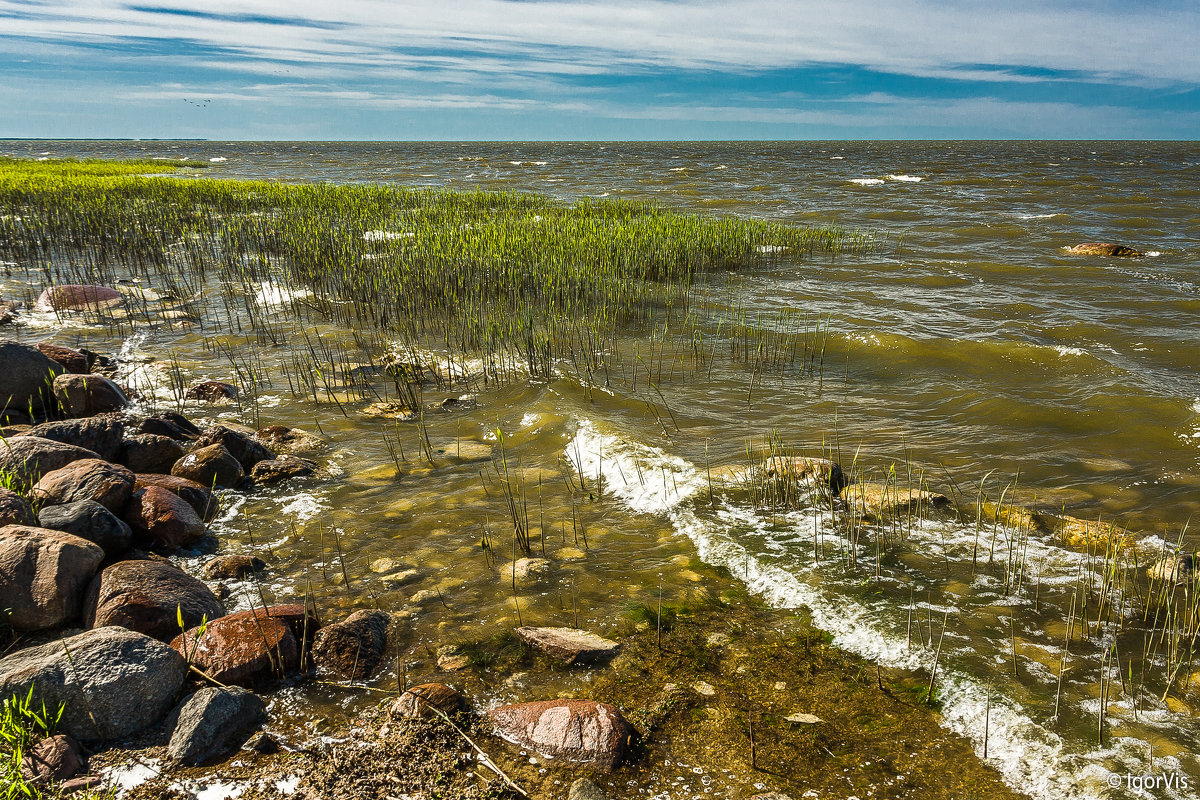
111	682
43	575
28	458
89	520
100	434
27	378
214	723
84	395
150	452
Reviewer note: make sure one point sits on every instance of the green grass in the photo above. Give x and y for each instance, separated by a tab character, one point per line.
22	725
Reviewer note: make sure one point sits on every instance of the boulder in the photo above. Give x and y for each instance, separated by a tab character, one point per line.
212	392
101	434
289	440
111	682
419	701
148	597
85	395
233	567
1103	249
569	645
8	313
43	575
78	297
282	468
163	519
352	649
213	723
89	520
240	445
195	495
52	760
170	424
575	731
110	485
28	458
878	500
248	648
1173	569
71	360
807	471
210	466
27	378
150	452
15	509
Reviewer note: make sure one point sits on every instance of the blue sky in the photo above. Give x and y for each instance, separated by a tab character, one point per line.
612	69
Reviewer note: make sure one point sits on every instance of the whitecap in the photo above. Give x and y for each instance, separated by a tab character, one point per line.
1064	351
905	178
1040	216
1152	253
867	181
218	159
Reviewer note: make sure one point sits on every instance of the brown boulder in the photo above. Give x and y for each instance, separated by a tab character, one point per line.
241	446
100	434
43	575
168	423
212	392
110	485
85	395
247	648
289	440
52	760
15	509
77	297
569	645
148	597
282	468
352	649
71	360
1103	249
419	702
28	458
195	495
150	452
213	466
164	518
234	567
576	731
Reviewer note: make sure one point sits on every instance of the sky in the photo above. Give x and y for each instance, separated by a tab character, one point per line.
608	70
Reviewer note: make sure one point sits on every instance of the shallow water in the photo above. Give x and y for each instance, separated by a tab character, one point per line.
969	345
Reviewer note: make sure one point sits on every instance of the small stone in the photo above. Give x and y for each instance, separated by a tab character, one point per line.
52	760
419	702
352	649
233	567
584	789
213	723
383	565
451	658
803	719
282	468
717	639
530	569
703	688
780	686
425	596
569	645
212	392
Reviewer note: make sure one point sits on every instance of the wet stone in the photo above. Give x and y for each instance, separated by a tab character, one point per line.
569	645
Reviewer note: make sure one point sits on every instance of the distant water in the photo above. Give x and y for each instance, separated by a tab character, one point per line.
970	344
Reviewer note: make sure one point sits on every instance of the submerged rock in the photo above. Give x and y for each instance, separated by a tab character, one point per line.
149	597
233	567
876	500
27	378
79	297
585	789
213	723
111	681
212	392
1173	569
110	485
85	395
806	470
352	649
420	701
89	520
569	645
43	575
282	468
1103	249
289	440
576	731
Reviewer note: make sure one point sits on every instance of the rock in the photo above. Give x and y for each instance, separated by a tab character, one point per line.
89	520
530	570
704	689
148	597
110	485
150	452
241	446
576	731
233	567
8	313
212	392
451	658
71	360
170	424
15	509
1173	569
800	718
28	458
27	378
248	648
52	760
163	519
210	466
569	645
809	471
43	575
584	789
77	297
877	500
85	395
263	743
214	723
282	468
466	452
100	434
80	784
352	649
419	701
289	440
114	683
195	495
1103	249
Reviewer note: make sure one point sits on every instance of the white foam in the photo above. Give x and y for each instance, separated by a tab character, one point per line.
218	159
867	181
1064	351
1152	253
1040	216
287	785
302	506
905	178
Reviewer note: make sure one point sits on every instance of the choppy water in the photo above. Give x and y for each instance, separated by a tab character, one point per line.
969	345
